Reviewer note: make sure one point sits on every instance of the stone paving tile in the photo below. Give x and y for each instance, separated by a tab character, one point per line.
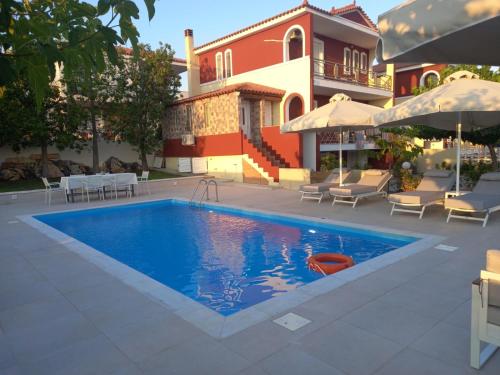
350	349
35	342
422	301
6	358
96	355
259	341
32	314
461	316
339	301
293	361
201	355
27	292
393	323
126	312
152	336
106	294
412	362
447	343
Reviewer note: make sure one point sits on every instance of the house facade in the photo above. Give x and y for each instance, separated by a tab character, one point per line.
243	86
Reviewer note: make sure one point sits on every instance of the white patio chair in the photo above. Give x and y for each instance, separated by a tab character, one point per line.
485	319
51	187
144	178
93	184
122	183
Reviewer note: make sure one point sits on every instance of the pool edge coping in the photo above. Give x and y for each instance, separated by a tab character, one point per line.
209	321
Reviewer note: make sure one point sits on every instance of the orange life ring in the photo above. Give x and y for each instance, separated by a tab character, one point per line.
328	263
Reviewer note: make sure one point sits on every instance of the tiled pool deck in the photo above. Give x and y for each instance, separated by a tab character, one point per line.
61	314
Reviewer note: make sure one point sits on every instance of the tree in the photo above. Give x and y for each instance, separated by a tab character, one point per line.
145	87
37	35
93	92
22	125
486	137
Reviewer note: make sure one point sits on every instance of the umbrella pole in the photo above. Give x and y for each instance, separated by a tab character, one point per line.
340	158
459	152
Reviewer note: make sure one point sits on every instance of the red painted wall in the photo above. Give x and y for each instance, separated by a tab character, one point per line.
407	80
288	146
252	52
210	145
356	17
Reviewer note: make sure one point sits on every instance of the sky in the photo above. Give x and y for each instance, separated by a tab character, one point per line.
212	19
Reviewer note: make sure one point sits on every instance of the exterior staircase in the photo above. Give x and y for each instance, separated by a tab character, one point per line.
264	159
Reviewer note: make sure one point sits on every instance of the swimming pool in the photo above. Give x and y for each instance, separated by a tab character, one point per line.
224	258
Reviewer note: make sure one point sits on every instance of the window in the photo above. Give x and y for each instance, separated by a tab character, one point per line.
347	60
228	63
355	60
294	107
219	68
429	79
364	62
189	118
294	43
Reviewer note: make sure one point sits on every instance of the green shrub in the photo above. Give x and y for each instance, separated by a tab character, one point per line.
329	162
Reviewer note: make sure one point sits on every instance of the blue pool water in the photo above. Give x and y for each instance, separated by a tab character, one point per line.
224	258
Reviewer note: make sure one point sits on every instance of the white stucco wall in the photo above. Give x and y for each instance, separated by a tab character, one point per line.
122	151
292	76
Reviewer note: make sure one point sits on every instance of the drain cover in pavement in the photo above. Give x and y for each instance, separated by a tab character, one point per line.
292	321
446	247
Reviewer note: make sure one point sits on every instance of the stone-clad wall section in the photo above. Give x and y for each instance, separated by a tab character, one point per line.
210	116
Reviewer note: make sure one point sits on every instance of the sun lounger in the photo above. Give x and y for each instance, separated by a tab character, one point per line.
485	199
371	184
485	316
430	191
319	190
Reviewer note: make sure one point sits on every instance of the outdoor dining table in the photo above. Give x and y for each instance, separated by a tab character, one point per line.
72	183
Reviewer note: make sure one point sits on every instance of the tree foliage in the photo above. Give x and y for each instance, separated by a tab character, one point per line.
54	124
37	35
93	93
487	137
145	87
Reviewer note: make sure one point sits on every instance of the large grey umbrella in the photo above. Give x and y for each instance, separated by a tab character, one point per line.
341	113
441	31
460	103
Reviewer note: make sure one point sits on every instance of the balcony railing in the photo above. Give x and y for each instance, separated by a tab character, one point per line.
348	74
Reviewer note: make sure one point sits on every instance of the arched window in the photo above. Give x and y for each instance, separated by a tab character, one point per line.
219	66
347	60
294	46
294	107
429	79
228	63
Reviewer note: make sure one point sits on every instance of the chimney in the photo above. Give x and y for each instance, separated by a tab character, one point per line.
193	66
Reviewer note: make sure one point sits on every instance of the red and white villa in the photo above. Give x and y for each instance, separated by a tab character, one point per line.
243	86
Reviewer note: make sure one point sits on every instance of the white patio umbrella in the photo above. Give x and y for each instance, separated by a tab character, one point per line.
444	31
461	103
341	113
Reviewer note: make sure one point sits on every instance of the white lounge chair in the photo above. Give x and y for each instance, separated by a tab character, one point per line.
371	184
51	187
430	191
144	178
485	317
485	199
318	190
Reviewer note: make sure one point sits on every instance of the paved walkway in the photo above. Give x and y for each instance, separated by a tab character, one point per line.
60	314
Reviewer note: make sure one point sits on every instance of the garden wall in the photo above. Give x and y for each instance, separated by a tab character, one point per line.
122	151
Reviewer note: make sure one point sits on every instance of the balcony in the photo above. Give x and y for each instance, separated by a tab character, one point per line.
353	140
360	84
